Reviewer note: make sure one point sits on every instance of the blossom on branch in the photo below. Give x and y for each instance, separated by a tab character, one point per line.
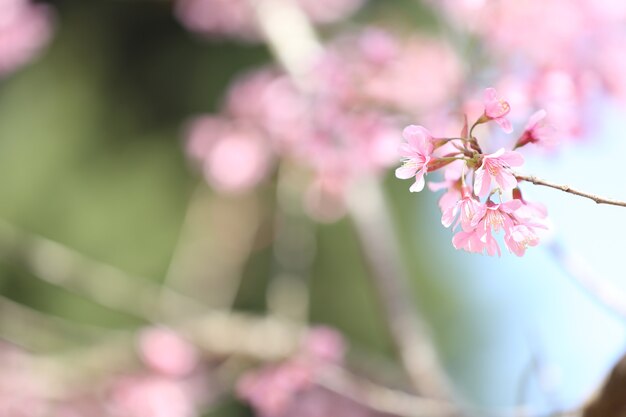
496	166
496	109
416	155
471	187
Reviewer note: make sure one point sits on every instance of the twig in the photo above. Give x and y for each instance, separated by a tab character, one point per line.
602	291
97	281
570	190
294	246
381	398
399	403
38	331
205	265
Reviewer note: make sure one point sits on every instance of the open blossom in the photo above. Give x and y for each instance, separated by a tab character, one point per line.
496	109
416	154
465	208
530	209
519	232
519	238
488	218
470	206
536	130
497	166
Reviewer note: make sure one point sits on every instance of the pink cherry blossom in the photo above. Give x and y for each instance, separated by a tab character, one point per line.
488	218
497	166
452	184
496	109
519	238
416	154
465	208
536	131
468	241
529	209
25	28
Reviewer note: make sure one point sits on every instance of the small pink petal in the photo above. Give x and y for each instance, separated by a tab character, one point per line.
419	183
504	124
482	182
406	171
513	159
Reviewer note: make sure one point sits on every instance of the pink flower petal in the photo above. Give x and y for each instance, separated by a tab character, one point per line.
482	182
419	183
406	171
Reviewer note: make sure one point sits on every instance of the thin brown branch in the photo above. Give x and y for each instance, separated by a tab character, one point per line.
97	281
570	190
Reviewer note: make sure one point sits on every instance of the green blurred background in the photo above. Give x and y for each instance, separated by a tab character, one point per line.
91	157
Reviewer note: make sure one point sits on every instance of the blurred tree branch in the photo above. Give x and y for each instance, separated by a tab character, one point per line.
610	401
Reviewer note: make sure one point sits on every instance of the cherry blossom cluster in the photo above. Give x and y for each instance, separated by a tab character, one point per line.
235	18
482	195
25	28
345	125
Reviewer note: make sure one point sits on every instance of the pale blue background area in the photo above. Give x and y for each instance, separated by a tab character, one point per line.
528	306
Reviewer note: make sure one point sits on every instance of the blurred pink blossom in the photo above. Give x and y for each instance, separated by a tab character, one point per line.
150	396
24	392
419	74
344	126
571	56
279	390
25	28
234	157
167	352
325	344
